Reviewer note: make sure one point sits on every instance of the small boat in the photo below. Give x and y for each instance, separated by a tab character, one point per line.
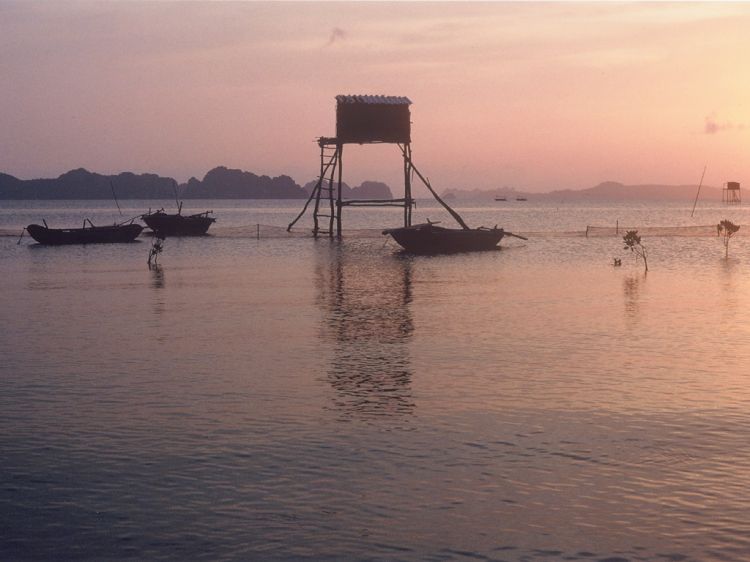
179	224
86	235
521	199
501	198
430	239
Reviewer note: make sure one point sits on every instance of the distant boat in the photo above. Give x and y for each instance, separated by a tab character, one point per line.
86	235
178	225
430	239
521	199
501	198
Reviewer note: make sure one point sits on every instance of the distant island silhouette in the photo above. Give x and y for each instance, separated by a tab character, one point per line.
226	183
605	191
219	183
366	190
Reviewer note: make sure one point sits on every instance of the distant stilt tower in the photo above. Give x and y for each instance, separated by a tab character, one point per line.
359	120
731	193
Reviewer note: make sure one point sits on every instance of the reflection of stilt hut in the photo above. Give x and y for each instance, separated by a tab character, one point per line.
365	301
731	192
360	120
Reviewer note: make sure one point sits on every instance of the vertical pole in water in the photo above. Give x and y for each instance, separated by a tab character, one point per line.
258	231
617	226
699	190
176	196
340	149
407	184
331	200
587	231
114	195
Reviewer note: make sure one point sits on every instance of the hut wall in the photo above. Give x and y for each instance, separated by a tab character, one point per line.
363	123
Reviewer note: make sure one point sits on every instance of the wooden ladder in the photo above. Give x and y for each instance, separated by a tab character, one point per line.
325	190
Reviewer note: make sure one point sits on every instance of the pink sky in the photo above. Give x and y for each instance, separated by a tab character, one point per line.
536	96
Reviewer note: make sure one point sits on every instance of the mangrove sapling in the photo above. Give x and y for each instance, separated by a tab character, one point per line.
633	243
726	229
157	247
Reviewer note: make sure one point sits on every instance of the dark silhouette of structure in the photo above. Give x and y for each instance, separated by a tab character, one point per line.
359	120
167	225
384	119
730	193
117	233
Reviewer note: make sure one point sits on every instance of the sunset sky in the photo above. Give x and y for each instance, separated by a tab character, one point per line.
536	96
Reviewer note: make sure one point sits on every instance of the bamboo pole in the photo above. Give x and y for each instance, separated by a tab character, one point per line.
340	150
699	190
453	213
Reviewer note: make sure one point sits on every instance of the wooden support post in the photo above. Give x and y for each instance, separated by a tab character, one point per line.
340	149
407	185
331	200
426	182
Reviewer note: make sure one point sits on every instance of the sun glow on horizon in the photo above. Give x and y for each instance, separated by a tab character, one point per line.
531	95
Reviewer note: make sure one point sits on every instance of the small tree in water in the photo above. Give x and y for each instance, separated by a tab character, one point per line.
726	229
633	243
157	247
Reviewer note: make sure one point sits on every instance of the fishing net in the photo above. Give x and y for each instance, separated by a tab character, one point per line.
261	231
652	231
266	231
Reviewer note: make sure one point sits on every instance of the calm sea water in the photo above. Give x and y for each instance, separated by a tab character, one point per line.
283	398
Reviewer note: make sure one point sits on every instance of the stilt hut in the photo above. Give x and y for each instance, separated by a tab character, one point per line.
360	119
731	193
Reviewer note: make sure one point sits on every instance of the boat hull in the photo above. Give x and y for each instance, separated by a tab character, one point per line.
431	239
178	225
91	235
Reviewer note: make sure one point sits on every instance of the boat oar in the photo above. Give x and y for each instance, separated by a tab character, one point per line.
19	238
515	235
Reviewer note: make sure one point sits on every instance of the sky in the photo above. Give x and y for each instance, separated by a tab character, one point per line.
535	96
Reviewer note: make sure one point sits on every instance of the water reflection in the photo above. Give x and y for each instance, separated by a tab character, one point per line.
632	286
730	274
159	305
365	299
157	276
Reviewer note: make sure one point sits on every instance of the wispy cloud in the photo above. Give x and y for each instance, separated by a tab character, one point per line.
337	34
713	126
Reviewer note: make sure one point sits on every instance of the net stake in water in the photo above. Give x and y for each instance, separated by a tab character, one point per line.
699	190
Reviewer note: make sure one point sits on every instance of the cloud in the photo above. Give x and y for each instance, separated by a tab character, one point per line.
337	34
713	126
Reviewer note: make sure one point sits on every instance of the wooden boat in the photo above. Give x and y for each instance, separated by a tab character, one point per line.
178	225
431	239
86	235
501	198
521	199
